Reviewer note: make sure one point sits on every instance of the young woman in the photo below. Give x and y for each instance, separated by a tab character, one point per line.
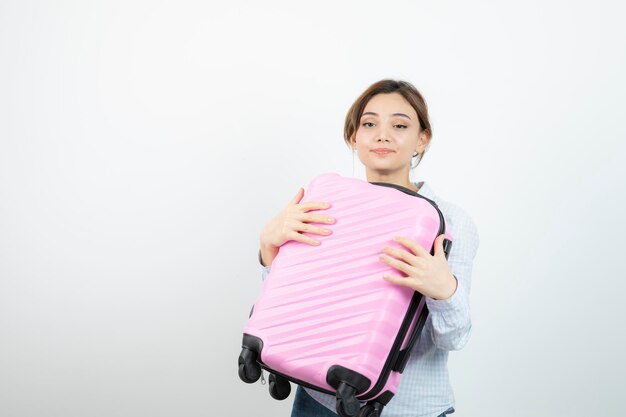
389	129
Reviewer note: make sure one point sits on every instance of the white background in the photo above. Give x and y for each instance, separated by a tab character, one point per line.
144	145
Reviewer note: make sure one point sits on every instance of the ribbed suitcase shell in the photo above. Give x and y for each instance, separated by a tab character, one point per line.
328	305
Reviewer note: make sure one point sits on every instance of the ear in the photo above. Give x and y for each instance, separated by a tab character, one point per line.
423	139
353	141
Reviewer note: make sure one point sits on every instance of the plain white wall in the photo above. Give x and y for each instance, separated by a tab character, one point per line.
144	145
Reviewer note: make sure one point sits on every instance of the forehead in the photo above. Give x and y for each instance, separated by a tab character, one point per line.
389	103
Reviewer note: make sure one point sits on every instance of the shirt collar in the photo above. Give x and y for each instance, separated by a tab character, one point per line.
425	190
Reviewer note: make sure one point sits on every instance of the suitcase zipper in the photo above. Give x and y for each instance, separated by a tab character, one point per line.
295	380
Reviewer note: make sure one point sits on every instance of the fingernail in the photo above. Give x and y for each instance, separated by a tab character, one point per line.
331	220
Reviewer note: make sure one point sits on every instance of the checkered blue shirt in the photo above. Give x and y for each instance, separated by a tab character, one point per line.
425	389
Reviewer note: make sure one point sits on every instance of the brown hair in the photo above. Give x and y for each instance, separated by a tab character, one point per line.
405	89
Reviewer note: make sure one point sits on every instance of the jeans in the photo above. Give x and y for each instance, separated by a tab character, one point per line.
306	406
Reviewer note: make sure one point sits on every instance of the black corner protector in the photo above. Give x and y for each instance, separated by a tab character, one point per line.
252	343
338	374
385	397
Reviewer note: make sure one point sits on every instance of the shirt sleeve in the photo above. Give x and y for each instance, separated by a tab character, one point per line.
265	271
450	319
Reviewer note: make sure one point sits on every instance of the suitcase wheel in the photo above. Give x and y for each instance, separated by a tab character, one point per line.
280	388
347	404
249	374
371	410
249	369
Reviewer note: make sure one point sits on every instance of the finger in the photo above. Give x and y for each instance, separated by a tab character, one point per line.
296	199
307	228
413	246
304	239
402	281
311	218
314	205
318	218
439	245
400	254
394	263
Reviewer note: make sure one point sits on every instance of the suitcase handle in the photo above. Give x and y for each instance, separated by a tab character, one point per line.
447	246
403	355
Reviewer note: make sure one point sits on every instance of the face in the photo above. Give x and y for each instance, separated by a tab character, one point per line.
387	136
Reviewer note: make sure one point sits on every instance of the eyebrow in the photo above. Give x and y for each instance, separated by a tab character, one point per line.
395	114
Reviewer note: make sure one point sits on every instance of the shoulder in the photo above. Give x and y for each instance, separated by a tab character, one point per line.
458	221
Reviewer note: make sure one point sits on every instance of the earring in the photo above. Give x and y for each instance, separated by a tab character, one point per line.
418	159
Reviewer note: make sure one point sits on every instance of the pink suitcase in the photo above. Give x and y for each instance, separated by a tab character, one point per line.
325	318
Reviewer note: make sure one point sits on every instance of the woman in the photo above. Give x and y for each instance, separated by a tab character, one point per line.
388	127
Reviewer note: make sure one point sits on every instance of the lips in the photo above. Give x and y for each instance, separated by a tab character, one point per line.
382	151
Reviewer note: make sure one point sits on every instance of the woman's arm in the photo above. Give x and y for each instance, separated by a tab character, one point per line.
445	283
450	318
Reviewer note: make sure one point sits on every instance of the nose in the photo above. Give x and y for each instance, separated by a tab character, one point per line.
382	135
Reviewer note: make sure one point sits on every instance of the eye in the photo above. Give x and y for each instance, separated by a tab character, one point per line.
400	126
367	124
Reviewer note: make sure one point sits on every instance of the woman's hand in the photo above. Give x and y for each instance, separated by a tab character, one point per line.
425	273
289	224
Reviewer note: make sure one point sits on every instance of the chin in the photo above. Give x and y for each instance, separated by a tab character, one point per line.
383	166
382	171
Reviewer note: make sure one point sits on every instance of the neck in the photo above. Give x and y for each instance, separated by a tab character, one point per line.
391	179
